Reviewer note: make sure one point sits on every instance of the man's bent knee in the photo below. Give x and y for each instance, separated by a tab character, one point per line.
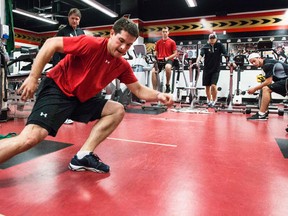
266	89
120	111
113	108
32	135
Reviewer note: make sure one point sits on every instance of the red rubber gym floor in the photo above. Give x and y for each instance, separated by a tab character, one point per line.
170	164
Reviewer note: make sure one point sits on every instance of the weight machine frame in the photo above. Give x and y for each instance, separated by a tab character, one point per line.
191	86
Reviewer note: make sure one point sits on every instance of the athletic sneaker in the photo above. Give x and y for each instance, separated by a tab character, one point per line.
213	103
90	162
68	121
167	89
257	116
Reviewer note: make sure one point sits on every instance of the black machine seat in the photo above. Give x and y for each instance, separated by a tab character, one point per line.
279	71
239	60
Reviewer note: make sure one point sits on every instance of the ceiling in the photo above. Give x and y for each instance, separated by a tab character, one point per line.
145	10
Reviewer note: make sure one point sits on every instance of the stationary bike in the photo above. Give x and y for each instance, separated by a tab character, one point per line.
194	72
151	61
159	66
190	86
236	64
3	86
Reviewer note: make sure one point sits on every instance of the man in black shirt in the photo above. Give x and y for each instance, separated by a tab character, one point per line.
70	30
212	53
276	73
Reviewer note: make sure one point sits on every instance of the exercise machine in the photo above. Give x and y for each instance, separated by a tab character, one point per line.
3	85
179	69
144	61
237	98
159	66
190	87
234	99
287	95
121	94
187	63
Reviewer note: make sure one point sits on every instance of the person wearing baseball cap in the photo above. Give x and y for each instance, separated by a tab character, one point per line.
212	51
272	82
212	36
253	55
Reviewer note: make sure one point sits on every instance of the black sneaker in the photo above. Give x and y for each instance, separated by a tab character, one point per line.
89	162
167	89
257	116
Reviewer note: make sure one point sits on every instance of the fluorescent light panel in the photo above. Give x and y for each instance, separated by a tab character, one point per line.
34	16
191	3
100	7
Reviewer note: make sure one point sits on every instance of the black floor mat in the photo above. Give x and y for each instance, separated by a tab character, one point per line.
147	110
283	145
45	147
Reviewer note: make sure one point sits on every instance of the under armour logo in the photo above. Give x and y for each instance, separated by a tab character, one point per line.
43	114
107	62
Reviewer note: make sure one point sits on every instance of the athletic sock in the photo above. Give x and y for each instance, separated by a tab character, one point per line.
82	154
261	113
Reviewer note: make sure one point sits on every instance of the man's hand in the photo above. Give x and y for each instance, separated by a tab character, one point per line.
251	90
28	88
166	99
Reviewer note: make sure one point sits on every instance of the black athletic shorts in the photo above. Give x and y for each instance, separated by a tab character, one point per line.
167	62
279	87
210	78
53	107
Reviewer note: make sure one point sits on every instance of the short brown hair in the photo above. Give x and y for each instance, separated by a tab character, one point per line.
126	25
75	11
166	28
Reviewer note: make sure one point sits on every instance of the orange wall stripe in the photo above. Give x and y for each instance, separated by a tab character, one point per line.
252	22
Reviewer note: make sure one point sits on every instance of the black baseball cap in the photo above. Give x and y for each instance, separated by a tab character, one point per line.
212	36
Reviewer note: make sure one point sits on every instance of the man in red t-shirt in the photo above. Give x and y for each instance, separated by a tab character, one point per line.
166	50
72	89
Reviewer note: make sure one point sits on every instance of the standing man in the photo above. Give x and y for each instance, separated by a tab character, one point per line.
73	89
212	53
272	83
70	30
165	49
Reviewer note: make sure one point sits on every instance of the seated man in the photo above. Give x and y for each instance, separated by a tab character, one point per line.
276	73
166	50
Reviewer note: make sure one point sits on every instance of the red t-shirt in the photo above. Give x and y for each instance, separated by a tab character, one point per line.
165	48
88	67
